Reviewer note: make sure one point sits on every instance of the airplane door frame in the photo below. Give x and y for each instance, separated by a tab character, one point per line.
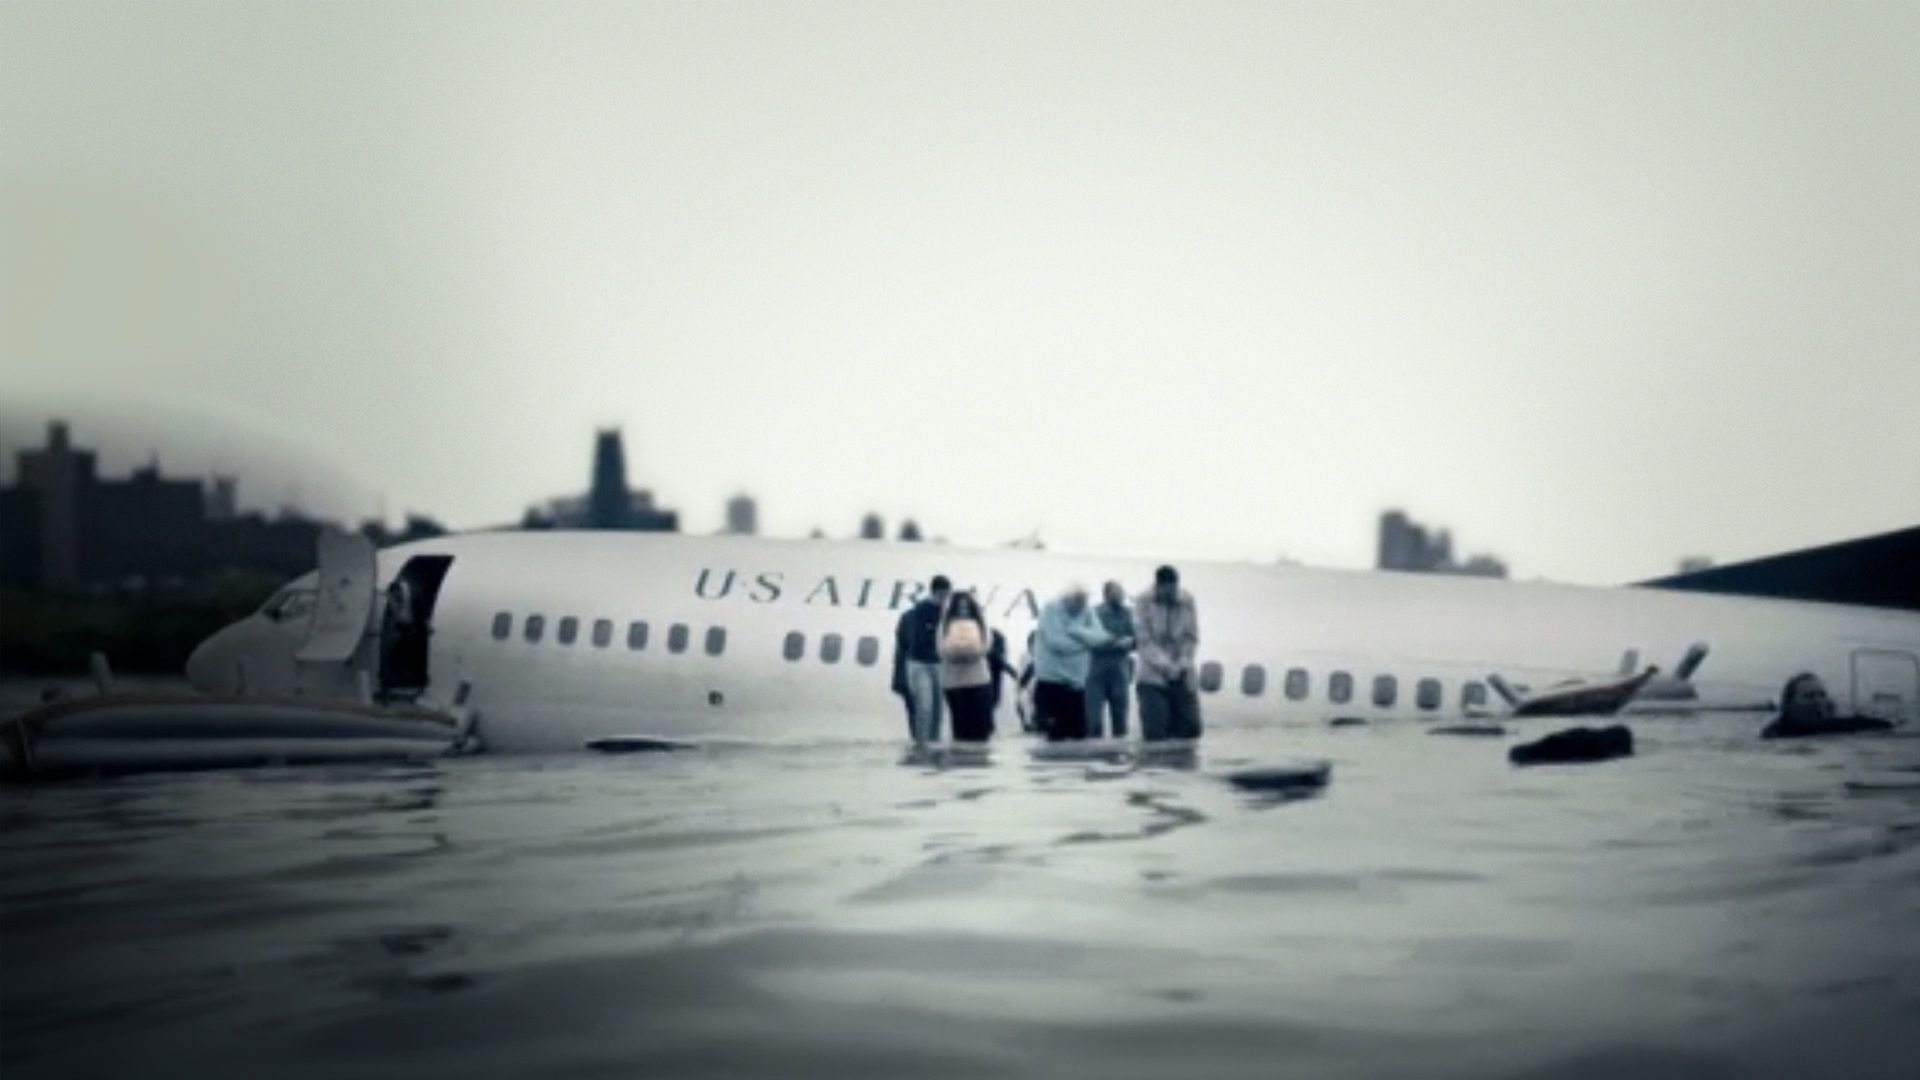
1876	671
412	656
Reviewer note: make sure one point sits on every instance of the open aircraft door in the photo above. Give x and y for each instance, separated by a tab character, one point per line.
1886	684
343	606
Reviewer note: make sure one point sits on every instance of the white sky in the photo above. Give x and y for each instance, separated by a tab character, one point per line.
1596	285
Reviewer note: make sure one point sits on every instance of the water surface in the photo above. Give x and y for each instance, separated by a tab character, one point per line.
1715	906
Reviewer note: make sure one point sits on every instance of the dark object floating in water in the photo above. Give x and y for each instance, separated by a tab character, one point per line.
1573	699
1784	727
1309	774
1347	721
139	732
1468	729
1575	745
637	744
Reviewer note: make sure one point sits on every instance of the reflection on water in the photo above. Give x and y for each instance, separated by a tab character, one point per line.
1713	907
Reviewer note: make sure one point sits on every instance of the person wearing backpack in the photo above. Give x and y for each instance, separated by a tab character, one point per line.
966	673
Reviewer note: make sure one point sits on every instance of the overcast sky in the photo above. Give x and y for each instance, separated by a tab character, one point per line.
1596	285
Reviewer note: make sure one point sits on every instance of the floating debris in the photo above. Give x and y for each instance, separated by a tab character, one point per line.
1309	774
1575	745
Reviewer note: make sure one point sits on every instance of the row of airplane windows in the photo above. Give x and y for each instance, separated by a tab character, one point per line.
1296	684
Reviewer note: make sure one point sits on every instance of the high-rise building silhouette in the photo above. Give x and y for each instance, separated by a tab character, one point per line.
223	498
59	478
743	515
62	525
609	503
1407	545
873	527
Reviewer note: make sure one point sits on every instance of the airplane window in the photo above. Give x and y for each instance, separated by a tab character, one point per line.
568	629
1385	689
795	646
637	635
1253	680
602	633
868	651
677	636
1427	694
1211	676
1298	684
830	648
502	626
716	640
1340	688
1473	694
536	625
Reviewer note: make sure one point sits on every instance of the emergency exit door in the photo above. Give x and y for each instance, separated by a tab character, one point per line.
1886	684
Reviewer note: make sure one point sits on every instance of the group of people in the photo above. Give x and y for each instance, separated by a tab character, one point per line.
1087	661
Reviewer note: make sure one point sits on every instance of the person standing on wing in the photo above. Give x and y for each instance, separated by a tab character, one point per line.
1169	629
966	674
916	659
999	667
1110	677
1062	651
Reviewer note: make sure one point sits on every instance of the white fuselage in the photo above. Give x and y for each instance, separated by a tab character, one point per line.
720	615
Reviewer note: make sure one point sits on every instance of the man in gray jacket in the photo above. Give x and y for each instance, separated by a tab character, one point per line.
1169	634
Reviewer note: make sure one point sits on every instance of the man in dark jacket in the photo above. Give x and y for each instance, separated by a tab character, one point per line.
1000	666
1110	679
916	661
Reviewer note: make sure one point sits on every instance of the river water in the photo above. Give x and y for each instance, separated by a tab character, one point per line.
1714	906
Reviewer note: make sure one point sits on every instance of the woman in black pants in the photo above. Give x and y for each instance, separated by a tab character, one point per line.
965	672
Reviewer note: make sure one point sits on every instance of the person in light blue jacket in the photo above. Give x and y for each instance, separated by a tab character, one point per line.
1063	647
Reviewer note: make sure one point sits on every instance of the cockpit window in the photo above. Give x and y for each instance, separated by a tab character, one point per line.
288	605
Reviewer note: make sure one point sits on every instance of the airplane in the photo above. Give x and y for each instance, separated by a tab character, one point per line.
553	640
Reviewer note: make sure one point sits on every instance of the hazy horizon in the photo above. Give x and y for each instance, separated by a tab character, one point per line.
1595	287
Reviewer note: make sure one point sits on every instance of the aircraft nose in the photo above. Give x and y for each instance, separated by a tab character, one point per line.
204	664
